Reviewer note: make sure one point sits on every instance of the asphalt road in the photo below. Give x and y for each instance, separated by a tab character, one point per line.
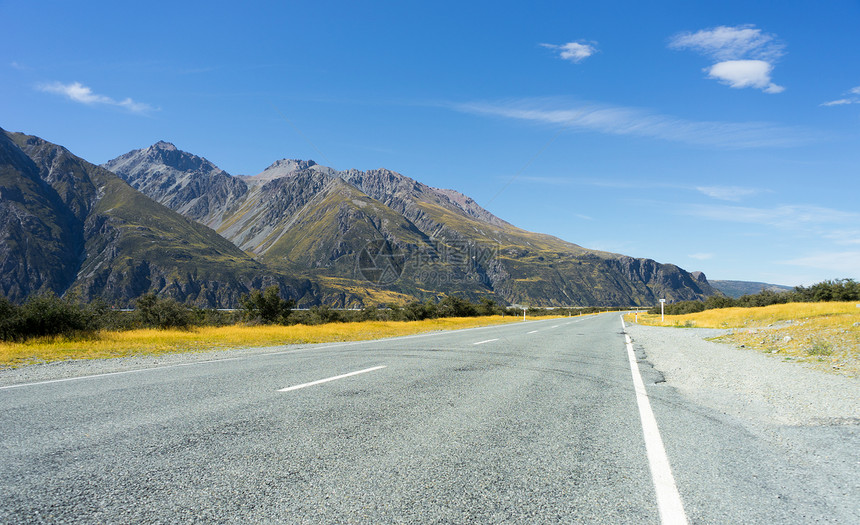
534	422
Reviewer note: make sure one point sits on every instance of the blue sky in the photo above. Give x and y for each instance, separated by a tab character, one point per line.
718	136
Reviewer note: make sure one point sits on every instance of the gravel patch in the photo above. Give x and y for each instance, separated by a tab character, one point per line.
746	384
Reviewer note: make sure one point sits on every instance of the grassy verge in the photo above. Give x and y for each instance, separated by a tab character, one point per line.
152	342
825	335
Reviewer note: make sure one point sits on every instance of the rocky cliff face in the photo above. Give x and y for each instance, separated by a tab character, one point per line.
305	217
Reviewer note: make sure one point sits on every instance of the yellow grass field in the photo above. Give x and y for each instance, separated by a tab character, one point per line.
152	342
825	335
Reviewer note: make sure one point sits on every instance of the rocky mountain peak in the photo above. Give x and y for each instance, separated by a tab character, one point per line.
163	145
284	167
699	276
180	180
162	157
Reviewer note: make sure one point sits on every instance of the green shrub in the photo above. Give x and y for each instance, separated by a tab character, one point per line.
8	320
453	306
154	312
820	348
48	315
266	307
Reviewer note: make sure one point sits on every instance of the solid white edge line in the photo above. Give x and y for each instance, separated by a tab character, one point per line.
487	341
668	498
326	380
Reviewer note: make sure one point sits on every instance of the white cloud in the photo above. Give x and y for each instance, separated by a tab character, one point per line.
619	120
731	43
728	193
80	93
744	55
840	102
798	217
575	52
745	73
853	97
847	236
846	264
799	225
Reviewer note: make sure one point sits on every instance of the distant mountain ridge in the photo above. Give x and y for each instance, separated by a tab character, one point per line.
338	227
735	289
68	226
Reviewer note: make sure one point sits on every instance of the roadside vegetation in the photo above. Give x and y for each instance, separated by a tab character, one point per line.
823	334
825	291
50	328
151	341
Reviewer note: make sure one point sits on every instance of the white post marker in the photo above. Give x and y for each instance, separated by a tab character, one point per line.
662	317
524	313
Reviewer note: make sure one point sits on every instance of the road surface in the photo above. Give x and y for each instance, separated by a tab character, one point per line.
532	422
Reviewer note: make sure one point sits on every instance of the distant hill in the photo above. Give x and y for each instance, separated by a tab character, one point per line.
737	289
351	229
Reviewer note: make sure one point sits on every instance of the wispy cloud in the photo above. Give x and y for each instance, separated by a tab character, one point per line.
82	94
620	120
799	225
845	236
845	264
744	55
852	97
725	193
728	193
575	52
731	43
817	220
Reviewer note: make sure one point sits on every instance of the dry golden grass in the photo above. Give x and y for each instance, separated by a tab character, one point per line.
825	335
152	342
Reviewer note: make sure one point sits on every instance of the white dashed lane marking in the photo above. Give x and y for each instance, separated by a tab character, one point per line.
326	380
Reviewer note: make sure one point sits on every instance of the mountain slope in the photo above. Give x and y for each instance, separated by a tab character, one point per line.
71	226
41	243
355	225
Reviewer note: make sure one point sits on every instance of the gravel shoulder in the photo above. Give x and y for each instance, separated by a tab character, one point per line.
743	383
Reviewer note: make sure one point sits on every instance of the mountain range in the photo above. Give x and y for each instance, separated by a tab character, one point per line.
736	289
163	220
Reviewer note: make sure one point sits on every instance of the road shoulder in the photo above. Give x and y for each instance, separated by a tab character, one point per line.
741	382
